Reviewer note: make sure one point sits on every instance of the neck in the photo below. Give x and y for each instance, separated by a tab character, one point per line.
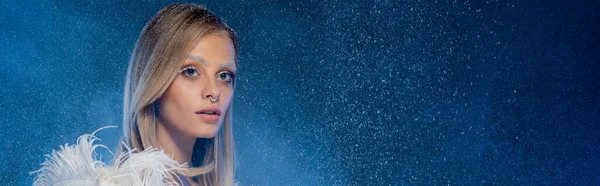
176	143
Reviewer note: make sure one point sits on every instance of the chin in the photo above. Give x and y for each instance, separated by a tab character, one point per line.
205	130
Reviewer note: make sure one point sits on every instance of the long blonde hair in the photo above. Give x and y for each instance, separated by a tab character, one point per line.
159	51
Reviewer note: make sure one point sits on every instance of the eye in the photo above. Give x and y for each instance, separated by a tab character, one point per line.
226	76
189	71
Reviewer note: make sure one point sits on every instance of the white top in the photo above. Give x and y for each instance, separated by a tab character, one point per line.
77	165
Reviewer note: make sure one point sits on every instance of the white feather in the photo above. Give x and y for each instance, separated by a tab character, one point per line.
78	165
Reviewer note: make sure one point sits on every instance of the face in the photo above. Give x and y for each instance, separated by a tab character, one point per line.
196	101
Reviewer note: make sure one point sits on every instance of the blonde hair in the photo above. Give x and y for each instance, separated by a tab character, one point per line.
159	52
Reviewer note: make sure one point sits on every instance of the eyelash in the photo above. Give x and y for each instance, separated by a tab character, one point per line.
231	76
185	69
197	72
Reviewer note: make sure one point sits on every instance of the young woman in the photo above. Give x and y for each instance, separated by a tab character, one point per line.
178	96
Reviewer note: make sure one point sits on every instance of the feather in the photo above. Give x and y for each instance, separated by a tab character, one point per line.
78	165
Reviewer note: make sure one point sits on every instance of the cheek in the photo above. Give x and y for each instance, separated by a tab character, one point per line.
226	95
176	100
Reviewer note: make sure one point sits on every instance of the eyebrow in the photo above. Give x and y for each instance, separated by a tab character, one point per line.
202	61
230	65
197	58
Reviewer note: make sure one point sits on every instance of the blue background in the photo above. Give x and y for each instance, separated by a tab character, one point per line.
335	93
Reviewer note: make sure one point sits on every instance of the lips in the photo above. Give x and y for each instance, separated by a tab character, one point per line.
209	114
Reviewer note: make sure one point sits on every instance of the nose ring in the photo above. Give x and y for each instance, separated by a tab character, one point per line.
213	99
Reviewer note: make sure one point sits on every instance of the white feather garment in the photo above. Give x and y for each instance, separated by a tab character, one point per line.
77	165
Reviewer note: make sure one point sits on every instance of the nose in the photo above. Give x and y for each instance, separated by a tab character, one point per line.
211	90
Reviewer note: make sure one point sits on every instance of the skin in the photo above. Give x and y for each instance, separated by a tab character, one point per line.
179	125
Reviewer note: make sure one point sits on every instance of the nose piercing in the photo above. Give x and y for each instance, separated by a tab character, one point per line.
213	99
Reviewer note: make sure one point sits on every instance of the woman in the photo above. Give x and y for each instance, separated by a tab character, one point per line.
178	91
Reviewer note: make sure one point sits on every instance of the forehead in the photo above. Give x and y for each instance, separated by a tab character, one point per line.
214	48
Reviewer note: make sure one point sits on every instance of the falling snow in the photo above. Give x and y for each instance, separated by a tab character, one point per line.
336	93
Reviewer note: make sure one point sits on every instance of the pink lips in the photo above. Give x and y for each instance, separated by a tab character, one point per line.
209	114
